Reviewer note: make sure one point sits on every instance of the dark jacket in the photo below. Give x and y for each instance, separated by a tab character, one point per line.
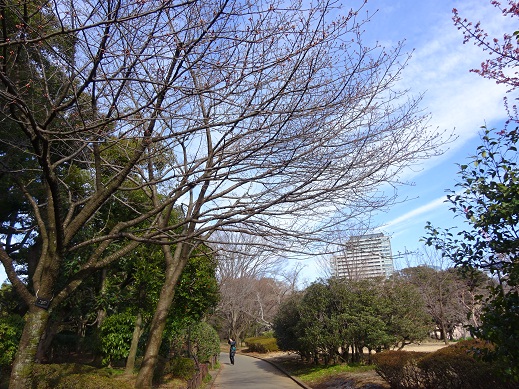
232	349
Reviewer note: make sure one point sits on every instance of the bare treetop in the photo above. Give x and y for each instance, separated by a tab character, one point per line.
128	122
270	119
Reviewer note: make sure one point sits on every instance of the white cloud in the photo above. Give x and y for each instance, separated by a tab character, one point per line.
403	220
457	100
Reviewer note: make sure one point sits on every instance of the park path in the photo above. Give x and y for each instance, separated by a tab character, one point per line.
250	373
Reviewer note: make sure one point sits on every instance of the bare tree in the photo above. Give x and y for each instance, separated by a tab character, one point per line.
450	296
271	119
253	283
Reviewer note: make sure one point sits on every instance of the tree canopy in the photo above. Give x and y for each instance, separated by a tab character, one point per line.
335	319
269	118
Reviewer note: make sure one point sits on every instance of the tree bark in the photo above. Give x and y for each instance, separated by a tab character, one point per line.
21	374
137	332
51	330
175	265
101	312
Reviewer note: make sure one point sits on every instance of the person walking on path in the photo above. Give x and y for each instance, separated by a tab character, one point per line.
232	350
252	373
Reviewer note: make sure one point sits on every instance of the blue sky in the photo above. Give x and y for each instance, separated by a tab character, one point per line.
456	100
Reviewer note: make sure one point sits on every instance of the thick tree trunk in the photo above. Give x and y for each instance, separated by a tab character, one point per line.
97	356
137	332
149	362
174	269
101	313
50	332
444	334
21	374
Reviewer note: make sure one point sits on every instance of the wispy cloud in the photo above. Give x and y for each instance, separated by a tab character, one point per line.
414	214
458	101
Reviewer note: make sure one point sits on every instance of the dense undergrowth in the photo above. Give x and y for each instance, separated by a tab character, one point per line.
176	373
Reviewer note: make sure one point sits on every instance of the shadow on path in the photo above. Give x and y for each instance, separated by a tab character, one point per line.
249	372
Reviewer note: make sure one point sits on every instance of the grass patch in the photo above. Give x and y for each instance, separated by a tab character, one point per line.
321	373
310	373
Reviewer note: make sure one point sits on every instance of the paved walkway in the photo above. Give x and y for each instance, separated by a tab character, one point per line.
250	373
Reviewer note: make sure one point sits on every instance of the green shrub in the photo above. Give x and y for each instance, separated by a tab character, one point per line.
398	368
456	367
207	341
180	368
262	344
202	338
453	367
116	337
11	328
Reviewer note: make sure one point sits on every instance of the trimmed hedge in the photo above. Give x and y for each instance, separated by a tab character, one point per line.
262	344
457	367
453	367
398	368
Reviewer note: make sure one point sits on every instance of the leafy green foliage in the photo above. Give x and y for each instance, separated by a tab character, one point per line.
132	286
262	344
201	339
11	328
134	282
116	336
10	302
286	324
206	340
36	77
196	292
487	200
331	318
404	312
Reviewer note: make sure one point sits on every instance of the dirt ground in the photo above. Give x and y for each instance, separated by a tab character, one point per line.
425	347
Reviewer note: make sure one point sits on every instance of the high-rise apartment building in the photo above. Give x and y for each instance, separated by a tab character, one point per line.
364	256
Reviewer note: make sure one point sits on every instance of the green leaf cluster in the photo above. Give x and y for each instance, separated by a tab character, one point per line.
200	339
332	318
487	200
196	293
11	328
133	287
116	336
